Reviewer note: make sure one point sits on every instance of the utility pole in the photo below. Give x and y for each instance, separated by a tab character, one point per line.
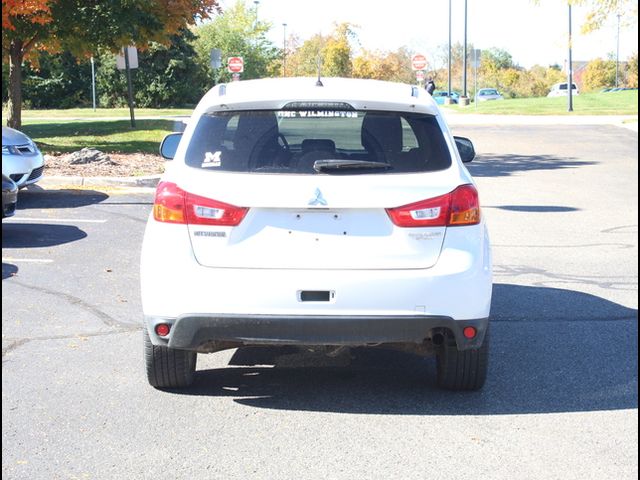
570	69
284	49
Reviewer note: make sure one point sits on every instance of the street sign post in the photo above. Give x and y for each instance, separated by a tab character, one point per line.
132	52
215	58
419	62
127	60
235	64
420	76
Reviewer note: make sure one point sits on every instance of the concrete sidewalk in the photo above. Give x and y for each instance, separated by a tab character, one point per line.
456	118
76	181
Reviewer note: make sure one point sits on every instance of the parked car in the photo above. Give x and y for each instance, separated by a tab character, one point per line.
440	95
21	158
561	90
486	94
331	215
9	196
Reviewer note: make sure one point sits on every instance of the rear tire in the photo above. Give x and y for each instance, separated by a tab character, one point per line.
168	367
462	370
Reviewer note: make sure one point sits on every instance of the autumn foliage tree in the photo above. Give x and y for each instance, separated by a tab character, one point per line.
333	51
82	27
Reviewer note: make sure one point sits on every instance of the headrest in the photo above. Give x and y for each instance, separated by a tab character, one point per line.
320	144
382	131
252	128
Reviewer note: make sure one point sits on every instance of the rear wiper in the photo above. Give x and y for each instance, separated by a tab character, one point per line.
340	164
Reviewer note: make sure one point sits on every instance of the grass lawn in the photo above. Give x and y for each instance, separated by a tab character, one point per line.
108	136
73	113
615	103
57	131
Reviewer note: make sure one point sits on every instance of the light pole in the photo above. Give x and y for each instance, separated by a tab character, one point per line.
464	55
618	53
256	3
93	83
284	49
570	69
448	99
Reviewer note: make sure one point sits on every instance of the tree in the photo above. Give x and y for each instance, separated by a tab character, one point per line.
599	73
334	51
537	81
167	75
60	81
237	33
632	71
390	66
601	10
82	27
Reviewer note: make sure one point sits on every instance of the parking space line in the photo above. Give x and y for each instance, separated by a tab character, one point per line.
27	260
61	220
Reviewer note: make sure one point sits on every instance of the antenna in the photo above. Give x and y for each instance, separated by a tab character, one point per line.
319	82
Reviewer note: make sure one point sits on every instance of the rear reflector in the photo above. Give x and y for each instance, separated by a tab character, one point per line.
163	329
460	207
469	332
174	205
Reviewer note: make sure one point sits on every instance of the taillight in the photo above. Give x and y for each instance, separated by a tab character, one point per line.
168	205
460	207
174	205
465	206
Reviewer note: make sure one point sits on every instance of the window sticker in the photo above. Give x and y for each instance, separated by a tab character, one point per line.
317	114
212	159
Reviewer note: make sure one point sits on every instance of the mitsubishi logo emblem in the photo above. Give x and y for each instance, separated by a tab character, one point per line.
318	199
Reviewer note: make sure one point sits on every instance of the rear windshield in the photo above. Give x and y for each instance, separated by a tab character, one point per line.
305	141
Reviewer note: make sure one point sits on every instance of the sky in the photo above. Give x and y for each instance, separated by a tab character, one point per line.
532	34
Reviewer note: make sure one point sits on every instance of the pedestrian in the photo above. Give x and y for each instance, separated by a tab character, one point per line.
430	86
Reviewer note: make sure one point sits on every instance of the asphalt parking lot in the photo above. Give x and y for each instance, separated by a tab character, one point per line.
560	401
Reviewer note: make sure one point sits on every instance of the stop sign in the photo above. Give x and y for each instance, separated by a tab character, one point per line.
418	62
235	64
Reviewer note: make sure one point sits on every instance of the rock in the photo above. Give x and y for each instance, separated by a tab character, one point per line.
89	155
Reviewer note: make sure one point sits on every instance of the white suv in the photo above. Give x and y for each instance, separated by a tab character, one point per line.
561	90
327	213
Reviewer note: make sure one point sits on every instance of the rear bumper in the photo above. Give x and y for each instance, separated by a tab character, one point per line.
191	332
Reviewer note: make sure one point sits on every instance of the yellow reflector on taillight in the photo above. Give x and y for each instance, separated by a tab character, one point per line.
467	217
163	213
168	205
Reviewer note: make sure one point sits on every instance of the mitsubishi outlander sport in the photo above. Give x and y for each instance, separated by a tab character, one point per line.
324	213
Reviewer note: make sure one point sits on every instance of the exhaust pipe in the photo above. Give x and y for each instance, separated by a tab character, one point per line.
437	339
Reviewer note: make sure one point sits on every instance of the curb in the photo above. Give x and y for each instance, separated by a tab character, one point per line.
150	181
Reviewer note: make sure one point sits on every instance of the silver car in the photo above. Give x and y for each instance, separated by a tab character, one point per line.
485	94
22	161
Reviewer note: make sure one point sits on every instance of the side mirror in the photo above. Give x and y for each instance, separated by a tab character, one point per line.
465	148
169	145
